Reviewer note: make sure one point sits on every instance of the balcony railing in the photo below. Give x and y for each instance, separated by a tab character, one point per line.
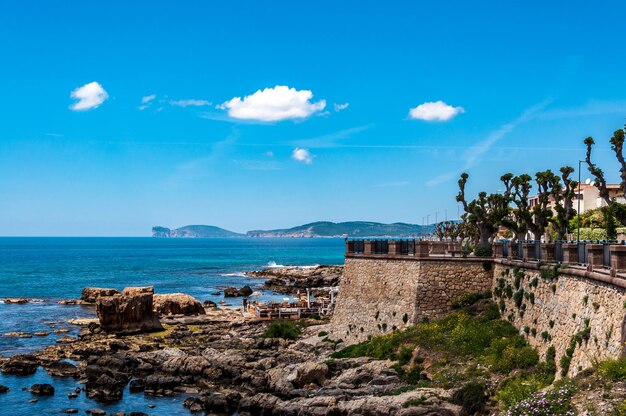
593	254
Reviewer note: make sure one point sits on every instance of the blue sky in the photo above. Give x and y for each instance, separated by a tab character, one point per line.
503	87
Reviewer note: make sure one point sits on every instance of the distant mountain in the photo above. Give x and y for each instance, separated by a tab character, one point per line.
194	231
347	229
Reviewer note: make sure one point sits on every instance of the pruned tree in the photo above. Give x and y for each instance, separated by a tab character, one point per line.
547	184
597	173
518	190
617	145
564	202
486	213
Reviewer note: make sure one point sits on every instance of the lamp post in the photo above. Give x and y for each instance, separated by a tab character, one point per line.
578	197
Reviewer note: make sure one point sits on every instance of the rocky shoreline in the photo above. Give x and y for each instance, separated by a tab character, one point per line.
293	279
224	362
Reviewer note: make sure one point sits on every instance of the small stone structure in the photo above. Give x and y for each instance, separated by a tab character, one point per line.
378	295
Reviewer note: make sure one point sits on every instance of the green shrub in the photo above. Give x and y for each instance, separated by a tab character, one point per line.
322	334
592	234
518	297
518	388
404	355
283	329
405	318
466	249
511	353
468	299
508	291
471	397
483	251
613	369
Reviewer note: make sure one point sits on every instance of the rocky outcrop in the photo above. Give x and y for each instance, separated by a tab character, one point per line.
129	312
19	301
290	280
20	365
91	294
177	304
231	292
42	389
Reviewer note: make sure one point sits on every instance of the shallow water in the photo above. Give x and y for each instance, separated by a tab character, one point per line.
16	401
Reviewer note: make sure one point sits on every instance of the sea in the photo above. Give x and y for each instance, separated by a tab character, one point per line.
48	269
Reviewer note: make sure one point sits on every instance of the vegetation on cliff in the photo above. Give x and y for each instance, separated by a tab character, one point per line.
470	345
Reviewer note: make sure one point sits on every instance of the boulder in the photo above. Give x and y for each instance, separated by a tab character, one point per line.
245	291
20	365
91	294
61	369
127	313
209	304
231	292
3	389
177	304
42	389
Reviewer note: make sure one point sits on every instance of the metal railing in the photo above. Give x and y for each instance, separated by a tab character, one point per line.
381	247
406	247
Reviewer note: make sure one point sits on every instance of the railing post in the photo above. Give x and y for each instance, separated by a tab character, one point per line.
421	249
618	257
595	255
570	253
547	252
529	251
368	247
498	250
349	246
392	247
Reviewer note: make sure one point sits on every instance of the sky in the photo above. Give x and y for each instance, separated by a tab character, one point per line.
119	116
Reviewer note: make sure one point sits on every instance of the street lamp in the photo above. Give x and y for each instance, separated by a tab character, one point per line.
578	197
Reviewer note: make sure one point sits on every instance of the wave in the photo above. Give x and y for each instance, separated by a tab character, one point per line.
308	267
237	274
273	265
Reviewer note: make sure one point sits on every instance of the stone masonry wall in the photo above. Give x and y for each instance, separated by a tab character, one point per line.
550	310
378	295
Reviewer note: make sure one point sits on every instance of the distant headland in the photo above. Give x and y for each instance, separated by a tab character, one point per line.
319	229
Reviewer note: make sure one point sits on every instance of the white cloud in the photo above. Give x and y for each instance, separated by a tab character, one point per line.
89	96
340	107
273	104
147	99
302	155
434	111
188	103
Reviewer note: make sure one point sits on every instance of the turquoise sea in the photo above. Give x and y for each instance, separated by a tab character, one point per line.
46	270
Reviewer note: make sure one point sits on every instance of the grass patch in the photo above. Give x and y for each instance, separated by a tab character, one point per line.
613	369
285	329
468	299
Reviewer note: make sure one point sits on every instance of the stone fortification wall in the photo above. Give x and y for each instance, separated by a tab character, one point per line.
582	317
379	295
